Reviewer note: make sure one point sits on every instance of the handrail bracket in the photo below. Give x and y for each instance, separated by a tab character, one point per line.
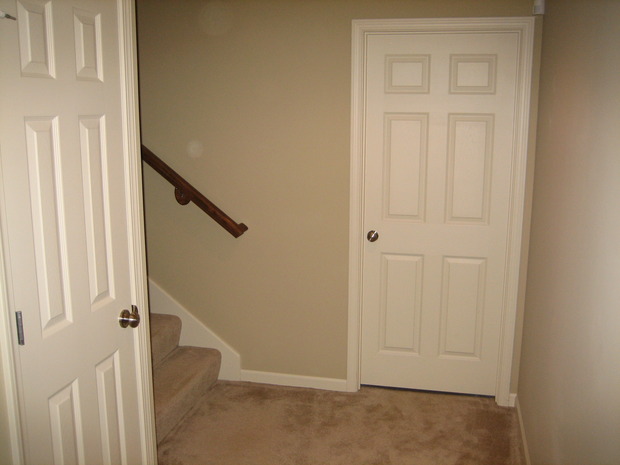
185	193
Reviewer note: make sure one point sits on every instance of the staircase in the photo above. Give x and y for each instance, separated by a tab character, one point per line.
182	375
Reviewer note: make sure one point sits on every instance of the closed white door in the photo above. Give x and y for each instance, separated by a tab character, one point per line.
72	250
439	131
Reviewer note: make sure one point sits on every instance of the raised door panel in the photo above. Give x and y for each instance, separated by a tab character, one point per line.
66	425
110	403
469	176
88	45
96	186
462	307
406	141
36	38
401	301
48	220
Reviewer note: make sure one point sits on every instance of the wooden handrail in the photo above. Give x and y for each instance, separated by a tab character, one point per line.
184	193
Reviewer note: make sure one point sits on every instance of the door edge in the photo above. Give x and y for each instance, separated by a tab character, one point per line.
135	224
9	358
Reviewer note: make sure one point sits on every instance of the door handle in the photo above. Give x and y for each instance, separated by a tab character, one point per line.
372	235
127	318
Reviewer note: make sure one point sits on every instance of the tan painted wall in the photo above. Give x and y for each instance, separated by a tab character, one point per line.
569	384
264	86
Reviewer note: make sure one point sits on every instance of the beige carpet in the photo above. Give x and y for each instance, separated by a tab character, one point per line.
256	424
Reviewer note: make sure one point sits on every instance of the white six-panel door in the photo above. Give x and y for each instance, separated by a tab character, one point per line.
438	142
72	256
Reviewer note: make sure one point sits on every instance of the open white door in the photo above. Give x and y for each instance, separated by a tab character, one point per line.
439	152
72	231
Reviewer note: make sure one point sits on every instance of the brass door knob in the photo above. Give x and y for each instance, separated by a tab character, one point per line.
128	318
372	235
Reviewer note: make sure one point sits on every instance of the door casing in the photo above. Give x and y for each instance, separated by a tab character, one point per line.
522	26
9	360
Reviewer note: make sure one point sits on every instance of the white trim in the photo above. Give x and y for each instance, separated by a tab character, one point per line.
281	379
526	450
194	332
524	27
356	208
135	223
11	392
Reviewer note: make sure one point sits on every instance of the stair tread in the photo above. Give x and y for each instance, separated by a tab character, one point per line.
165	335
179	381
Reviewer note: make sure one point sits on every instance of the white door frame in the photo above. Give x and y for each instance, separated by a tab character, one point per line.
137	256
524	29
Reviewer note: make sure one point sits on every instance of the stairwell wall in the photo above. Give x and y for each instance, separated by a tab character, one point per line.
250	101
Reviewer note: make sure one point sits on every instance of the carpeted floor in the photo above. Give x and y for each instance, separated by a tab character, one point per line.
256	424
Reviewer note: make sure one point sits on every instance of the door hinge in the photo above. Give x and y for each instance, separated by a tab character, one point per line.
20	328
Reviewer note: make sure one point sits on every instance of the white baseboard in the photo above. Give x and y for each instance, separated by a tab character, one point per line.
194	332
522	428
512	400
281	379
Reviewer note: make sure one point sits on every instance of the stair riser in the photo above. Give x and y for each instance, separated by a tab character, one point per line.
165	335
182	376
181	381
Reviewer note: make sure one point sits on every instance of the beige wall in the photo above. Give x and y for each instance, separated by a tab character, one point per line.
264	86
569	385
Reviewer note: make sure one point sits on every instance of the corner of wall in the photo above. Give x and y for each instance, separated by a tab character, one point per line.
194	332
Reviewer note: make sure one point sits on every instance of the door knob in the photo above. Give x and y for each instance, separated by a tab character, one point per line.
128	318
372	235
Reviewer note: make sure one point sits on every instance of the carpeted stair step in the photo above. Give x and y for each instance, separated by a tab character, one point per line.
165	335
180	381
